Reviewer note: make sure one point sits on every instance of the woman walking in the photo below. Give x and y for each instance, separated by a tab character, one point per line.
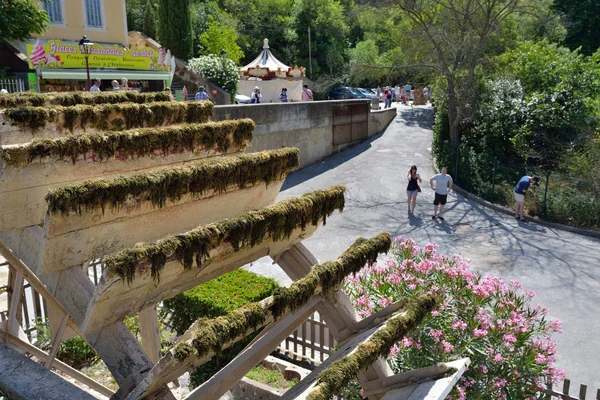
413	187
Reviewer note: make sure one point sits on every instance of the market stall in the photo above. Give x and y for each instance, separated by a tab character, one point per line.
271	75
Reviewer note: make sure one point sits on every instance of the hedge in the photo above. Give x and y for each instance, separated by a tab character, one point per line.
212	299
217	297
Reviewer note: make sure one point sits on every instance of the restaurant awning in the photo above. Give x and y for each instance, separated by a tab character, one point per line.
103	74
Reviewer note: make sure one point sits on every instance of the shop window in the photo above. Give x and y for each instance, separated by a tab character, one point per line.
55	11
93	14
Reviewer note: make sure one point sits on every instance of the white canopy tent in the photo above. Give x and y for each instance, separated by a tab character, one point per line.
271	75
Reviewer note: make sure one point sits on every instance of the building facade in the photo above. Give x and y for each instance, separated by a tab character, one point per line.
55	60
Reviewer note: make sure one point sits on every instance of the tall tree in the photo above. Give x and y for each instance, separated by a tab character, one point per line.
220	37
582	20
175	27
149	26
20	18
450	36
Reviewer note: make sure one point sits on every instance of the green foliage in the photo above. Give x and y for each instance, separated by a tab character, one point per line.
20	18
149	22
217	297
211	136
75	352
270	377
275	222
342	372
221	71
74	98
175	27
135	14
582	20
220	37
195	179
110	116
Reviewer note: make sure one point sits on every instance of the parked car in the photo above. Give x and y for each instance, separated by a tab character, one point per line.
345	92
368	94
242	99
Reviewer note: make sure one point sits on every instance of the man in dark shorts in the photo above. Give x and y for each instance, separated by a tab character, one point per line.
443	183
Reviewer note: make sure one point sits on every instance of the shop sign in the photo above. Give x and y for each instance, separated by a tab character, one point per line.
281	74
59	54
258	71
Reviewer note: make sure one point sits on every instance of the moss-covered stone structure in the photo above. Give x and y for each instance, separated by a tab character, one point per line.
168	201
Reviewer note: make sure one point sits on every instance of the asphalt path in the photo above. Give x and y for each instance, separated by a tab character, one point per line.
563	268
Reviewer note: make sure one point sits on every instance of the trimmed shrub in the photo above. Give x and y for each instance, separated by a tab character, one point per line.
218	297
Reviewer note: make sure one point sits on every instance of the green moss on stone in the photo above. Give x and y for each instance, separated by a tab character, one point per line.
73	98
211	334
341	372
131	115
132	143
249	229
172	184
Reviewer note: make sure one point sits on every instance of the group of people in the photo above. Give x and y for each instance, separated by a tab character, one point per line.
443	184
256	97
403	94
116	86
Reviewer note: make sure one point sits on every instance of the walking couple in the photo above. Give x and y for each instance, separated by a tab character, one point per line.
443	183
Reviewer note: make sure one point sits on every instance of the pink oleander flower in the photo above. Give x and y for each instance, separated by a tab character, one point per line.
479	333
498	358
448	348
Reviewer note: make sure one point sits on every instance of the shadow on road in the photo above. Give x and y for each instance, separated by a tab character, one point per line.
329	163
416	117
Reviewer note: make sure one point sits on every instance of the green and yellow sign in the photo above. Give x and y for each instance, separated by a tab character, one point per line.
59	54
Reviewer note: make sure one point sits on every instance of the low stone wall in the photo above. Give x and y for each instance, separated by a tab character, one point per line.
380	119
307	125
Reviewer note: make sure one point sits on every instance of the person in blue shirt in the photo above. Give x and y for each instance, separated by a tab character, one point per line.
201	94
283	97
520	190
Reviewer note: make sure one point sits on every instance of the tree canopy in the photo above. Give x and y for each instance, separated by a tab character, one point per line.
20	18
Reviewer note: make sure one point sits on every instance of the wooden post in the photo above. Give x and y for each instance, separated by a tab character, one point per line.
150	333
56	339
17	289
335	309
228	376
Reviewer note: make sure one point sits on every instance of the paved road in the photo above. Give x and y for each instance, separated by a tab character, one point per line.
561	267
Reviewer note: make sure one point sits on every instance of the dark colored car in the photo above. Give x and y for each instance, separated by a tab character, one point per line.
345	92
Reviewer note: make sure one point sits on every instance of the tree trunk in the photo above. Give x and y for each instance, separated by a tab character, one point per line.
453	121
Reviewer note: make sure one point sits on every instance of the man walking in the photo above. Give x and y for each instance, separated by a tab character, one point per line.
520	190
443	183
95	85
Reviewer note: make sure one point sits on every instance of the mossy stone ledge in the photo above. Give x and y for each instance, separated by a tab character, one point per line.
195	178
210	334
135	142
340	373
114	117
73	98
276	222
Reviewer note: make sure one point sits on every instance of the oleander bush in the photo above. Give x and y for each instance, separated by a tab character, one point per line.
508	340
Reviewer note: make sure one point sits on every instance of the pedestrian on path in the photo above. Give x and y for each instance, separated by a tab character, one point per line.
201	94
520	190
413	188
307	94
283	97
443	183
